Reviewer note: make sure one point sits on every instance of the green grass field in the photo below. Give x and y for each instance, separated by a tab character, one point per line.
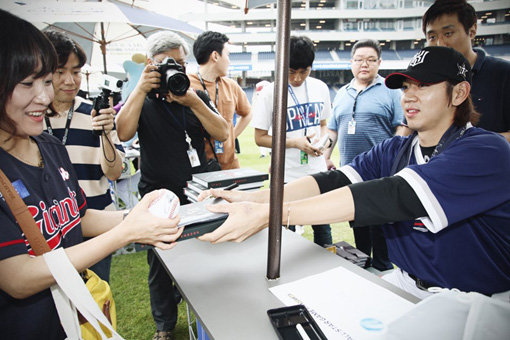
129	272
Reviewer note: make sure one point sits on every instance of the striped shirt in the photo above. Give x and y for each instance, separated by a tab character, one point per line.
85	152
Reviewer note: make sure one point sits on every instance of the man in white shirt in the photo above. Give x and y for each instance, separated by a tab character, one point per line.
308	107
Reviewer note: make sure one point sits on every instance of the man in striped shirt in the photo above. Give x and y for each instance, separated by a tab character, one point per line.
96	158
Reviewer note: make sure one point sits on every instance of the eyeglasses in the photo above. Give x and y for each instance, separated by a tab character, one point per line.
370	61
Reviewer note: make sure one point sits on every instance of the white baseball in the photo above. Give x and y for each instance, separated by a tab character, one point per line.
166	205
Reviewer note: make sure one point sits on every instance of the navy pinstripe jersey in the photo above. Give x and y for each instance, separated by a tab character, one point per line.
464	241
57	203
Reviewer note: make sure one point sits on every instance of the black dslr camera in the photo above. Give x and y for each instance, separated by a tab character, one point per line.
173	79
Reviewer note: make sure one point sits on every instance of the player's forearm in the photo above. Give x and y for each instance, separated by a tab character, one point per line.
298	189
332	207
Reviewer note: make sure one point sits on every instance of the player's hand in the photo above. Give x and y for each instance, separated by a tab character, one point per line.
104	120
244	220
144	227
227	195
149	79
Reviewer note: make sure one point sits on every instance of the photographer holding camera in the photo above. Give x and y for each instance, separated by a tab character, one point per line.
172	122
96	156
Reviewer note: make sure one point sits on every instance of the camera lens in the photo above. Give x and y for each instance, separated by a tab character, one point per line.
177	82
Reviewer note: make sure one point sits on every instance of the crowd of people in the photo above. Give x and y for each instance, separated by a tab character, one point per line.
422	179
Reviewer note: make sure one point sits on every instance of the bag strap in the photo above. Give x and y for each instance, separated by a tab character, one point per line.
71	293
24	218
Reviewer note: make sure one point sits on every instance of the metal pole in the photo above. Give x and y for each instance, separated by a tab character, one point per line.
103	48
278	147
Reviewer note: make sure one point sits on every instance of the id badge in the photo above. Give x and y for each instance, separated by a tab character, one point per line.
193	157
218	146
351	127
304	157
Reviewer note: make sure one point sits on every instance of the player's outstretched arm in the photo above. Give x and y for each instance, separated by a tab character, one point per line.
248	218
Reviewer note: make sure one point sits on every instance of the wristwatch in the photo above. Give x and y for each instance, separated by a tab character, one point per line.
330	142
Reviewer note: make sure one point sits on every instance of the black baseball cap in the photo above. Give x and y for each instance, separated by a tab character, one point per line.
433	64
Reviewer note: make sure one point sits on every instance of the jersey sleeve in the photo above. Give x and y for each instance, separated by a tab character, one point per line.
374	163
469	178
263	109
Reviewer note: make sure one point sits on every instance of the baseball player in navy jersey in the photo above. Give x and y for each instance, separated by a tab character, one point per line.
39	168
445	188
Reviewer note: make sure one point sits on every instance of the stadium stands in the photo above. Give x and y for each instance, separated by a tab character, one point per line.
240	56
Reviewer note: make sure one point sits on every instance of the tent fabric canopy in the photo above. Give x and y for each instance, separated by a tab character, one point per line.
105	11
79	19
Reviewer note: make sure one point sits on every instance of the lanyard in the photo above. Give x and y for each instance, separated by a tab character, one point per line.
300	107
205	89
68	124
355	103
179	125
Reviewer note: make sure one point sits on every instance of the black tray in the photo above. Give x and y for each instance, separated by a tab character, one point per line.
286	319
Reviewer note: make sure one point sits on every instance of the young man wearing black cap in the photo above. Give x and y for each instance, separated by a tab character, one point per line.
446	205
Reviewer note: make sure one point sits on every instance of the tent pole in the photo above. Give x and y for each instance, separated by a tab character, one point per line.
103	48
278	147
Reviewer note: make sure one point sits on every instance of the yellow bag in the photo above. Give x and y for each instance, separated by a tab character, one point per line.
102	294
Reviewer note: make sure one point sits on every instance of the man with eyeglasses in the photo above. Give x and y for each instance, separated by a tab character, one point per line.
365	112
171	130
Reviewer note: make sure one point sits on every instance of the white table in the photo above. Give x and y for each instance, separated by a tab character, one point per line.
226	287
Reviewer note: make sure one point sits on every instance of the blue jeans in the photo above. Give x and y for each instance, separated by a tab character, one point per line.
162	295
321	234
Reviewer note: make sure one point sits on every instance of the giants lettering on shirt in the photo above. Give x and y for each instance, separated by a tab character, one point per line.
296	120
56	220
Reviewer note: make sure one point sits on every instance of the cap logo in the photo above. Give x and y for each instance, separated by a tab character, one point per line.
462	71
418	58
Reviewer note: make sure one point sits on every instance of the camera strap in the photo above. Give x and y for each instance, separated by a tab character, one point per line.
205	90
68	124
